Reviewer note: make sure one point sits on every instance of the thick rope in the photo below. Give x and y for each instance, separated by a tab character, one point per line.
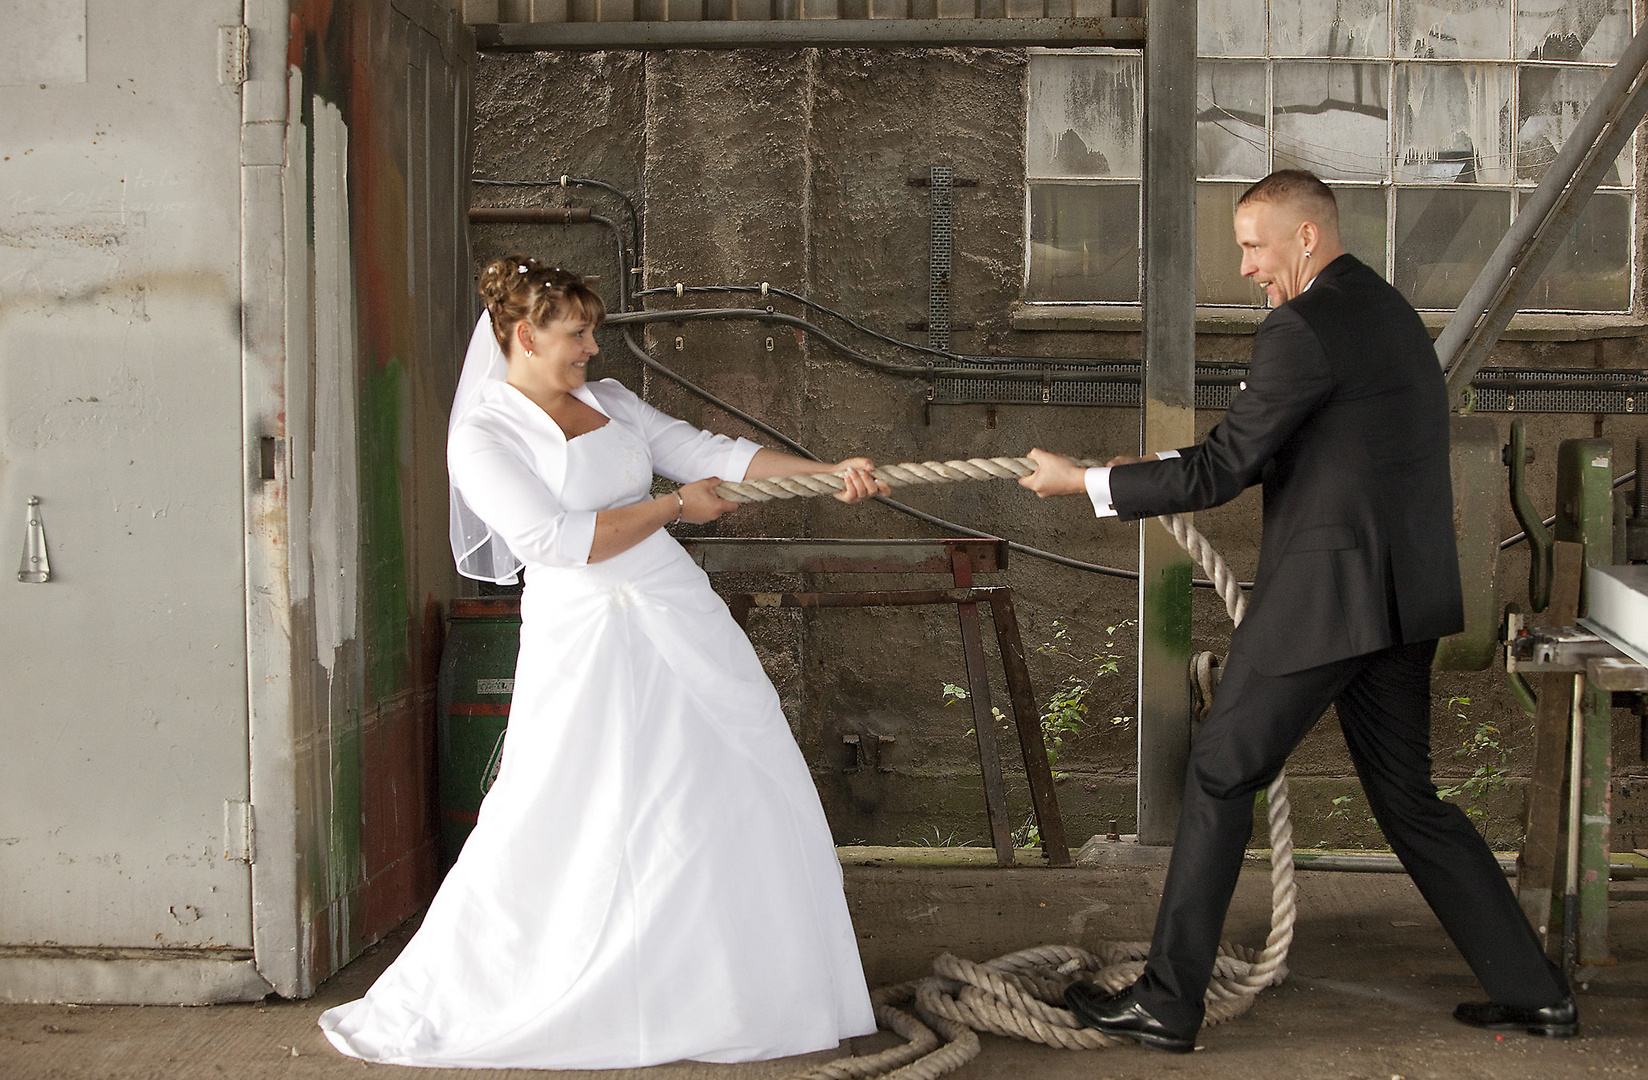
1021	995
911	472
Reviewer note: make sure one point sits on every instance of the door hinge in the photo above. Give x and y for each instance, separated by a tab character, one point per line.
233	44
239	832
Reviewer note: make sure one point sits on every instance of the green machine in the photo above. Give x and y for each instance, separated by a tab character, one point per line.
1563	869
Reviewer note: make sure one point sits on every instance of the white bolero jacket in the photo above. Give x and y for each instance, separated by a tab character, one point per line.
508	459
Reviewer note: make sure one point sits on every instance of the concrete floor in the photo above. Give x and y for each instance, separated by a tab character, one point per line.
1372	983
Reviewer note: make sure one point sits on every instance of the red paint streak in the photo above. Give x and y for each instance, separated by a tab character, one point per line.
398	811
377	117
310	18
462	708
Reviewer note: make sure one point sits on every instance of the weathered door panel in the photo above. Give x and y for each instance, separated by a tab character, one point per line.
124	780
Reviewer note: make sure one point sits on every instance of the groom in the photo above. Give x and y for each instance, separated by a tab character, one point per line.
1344	420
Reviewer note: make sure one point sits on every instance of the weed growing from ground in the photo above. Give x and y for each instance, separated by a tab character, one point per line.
1481	747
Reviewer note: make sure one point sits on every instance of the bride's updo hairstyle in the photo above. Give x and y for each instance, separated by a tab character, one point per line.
516	287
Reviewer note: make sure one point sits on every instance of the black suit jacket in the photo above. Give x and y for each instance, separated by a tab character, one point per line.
1345	421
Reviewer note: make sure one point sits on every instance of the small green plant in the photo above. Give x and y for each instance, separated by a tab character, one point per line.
940	840
1064	715
1481	746
1028	834
954	693
1341	806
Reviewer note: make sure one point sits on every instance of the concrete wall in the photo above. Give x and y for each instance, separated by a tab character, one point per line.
792	167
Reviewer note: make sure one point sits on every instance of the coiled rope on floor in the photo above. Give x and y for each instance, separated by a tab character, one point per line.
1021	995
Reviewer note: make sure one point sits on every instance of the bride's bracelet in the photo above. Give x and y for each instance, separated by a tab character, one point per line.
680	507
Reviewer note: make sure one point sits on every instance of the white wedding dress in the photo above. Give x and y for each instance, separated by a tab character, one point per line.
651	878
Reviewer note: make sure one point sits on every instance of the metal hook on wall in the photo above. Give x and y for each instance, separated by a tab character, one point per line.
35	568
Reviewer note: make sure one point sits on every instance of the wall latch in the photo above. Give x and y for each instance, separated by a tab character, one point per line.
35	568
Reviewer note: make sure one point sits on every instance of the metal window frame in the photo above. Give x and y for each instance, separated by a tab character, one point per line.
1518	188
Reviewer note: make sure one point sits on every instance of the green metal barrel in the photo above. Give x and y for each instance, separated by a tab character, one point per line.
476	682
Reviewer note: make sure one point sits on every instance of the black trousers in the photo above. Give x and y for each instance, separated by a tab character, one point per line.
1384	706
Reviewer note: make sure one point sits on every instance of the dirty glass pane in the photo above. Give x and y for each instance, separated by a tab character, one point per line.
1592	270
1084	242
1219	277
1085	115
1550	104
1362	224
1230	27
1230	120
1591	30
1455	29
1330	27
1453	123
1443	239
1332	118
1219	261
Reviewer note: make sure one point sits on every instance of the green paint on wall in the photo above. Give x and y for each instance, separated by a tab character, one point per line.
343	851
1167	608
384	572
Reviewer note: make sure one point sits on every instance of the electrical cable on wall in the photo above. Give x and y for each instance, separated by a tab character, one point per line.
652	364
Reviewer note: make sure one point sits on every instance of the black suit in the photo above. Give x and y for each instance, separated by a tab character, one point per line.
1344	420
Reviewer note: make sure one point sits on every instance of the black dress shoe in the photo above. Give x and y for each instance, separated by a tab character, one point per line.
1559	1021
1121	1016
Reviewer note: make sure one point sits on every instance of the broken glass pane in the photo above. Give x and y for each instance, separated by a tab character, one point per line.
1550	103
1230	120
1084	242
1329	27
1230	27
1333	119
1453	29
1453	123
1592	269
1443	239
1085	115
1593	30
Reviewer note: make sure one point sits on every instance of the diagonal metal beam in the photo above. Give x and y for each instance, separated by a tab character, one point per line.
1544	223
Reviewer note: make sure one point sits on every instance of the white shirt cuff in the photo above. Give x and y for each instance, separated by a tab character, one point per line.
1098	485
1098	489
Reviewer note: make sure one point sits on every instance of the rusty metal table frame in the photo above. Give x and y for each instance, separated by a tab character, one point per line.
960	559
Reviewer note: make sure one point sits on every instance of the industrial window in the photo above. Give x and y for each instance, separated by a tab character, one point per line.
1432	119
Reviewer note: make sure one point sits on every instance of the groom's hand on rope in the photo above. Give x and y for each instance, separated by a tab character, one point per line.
700	504
858	480
1055	475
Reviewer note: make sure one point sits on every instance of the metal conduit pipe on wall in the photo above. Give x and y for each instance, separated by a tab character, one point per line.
1122	33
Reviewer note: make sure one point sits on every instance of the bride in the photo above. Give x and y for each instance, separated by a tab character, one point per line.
651	878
